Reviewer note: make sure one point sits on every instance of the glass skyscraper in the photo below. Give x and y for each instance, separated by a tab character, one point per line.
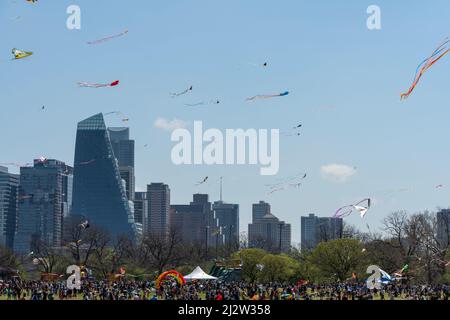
227	215
9	186
158	197
141	209
42	196
123	149
98	192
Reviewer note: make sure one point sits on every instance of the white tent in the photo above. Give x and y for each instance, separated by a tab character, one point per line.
199	274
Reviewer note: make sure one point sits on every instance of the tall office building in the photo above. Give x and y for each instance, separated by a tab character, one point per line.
141	209
227	217
443	228
99	194
316	229
67	191
267	231
192	221
9	187
123	149
158	196
259	210
42	194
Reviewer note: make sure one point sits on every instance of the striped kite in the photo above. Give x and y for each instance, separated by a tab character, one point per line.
98	85
268	96
108	38
441	51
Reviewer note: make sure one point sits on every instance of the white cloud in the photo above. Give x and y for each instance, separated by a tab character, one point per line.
164	124
337	172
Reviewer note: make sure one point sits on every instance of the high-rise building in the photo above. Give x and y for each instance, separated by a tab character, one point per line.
158	196
43	191
192	221
259	210
67	192
123	149
227	218
318	229
9	188
99	193
267	231
443	228
141	209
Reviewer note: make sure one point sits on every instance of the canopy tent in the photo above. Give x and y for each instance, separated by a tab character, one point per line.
199	274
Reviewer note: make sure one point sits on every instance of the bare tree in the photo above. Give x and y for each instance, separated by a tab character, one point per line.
161	251
45	255
430	253
8	259
110	256
243	240
413	240
402	234
82	243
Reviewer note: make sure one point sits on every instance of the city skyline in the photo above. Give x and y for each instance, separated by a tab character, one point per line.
347	99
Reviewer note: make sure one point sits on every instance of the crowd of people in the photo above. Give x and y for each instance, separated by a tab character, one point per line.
216	290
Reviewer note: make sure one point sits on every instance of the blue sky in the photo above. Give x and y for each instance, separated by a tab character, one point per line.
345	82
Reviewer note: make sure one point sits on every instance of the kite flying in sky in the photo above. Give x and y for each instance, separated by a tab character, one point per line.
203	181
268	96
8	164
202	103
294	132
19	54
441	51
98	85
264	65
113	112
286	183
182	93
87	162
362	207
85	225
108	38
118	113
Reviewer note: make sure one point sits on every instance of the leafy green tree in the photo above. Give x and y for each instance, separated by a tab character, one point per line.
338	258
250	259
277	268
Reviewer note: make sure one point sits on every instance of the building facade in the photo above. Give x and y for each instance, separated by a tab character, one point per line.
9	188
193	221
123	149
226	218
443	228
158	197
267	231
99	193
141	209
42	204
259	210
319	229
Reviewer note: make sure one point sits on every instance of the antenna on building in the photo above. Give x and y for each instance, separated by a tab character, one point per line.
221	180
